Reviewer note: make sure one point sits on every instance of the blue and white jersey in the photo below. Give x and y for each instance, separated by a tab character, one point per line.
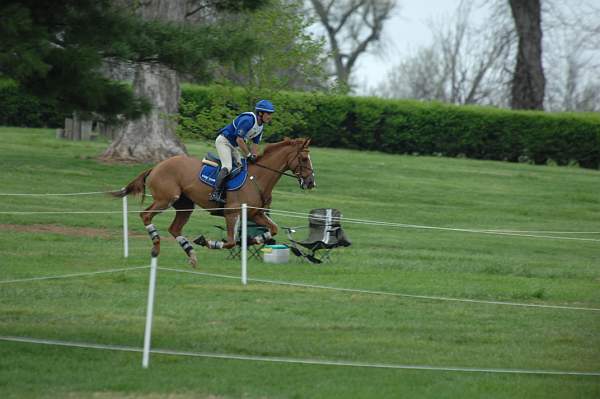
245	126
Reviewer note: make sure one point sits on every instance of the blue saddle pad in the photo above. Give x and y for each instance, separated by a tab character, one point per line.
208	175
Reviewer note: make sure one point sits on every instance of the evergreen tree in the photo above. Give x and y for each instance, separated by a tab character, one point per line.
55	49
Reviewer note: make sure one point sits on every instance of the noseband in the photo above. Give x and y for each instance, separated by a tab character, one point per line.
299	170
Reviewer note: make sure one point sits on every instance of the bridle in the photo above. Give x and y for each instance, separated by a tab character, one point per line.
298	170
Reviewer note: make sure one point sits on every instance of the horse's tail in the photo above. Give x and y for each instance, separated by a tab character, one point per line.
136	187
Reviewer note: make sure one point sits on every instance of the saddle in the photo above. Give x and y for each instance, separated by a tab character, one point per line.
210	170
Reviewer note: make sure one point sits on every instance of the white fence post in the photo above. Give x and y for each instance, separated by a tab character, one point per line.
149	312
244	239
125	228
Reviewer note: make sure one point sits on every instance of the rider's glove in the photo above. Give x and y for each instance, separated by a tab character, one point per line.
251	158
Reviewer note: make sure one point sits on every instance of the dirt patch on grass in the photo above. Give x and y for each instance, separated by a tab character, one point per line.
64	230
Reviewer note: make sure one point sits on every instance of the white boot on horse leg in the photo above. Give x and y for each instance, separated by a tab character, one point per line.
262	238
189	250
184	210
147	215
210	244
155	237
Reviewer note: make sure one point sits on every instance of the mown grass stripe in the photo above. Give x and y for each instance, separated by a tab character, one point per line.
21	280
396	294
290	360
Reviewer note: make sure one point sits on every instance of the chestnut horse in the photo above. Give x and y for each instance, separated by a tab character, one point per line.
174	182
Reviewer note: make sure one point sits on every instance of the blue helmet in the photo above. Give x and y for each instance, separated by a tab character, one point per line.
265	106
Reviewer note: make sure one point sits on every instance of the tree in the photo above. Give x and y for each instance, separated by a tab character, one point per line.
421	77
572	58
56	49
284	55
471	56
466	64
528	83
351	27
53	50
271	50
573	85
274	53
482	59
151	138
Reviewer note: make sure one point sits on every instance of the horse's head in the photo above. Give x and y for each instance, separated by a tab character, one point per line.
301	165
290	154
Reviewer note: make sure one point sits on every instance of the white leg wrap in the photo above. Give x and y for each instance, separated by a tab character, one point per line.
213	244
185	244
151	229
236	228
261	238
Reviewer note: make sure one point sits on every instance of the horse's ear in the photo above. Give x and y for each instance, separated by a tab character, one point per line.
306	142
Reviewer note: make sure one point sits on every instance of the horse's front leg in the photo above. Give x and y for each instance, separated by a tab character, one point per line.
263	220
184	211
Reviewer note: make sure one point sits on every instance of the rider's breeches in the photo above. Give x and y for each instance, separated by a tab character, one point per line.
226	151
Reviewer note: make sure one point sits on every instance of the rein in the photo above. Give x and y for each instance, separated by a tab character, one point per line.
294	175
276	171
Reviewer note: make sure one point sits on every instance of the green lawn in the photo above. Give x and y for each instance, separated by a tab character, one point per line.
199	313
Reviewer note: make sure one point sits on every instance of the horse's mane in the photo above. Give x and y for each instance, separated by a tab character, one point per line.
269	148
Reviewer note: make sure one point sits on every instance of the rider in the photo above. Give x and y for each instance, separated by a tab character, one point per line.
232	139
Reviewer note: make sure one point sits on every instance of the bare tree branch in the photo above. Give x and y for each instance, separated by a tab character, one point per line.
464	65
351	27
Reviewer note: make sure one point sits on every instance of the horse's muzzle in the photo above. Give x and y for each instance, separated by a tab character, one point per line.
308	182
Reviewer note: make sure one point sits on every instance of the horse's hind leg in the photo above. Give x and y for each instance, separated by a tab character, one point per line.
264	220
231	220
184	207
147	215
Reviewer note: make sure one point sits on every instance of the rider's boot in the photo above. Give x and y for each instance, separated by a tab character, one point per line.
219	189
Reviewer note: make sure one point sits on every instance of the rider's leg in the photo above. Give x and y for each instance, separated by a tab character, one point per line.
225	151
217	193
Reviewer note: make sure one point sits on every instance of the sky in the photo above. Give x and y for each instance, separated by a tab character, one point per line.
405	32
409	29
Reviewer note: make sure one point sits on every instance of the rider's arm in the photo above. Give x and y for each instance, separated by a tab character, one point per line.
254	149
243	146
243	126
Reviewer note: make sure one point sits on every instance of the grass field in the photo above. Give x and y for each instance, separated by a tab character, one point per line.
204	314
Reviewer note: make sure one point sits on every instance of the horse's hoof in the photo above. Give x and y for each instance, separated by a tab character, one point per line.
155	252
201	240
193	260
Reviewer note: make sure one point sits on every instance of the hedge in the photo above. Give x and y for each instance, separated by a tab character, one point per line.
18	108
368	123
404	126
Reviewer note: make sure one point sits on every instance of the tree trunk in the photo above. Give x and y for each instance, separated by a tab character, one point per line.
152	137
528	83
